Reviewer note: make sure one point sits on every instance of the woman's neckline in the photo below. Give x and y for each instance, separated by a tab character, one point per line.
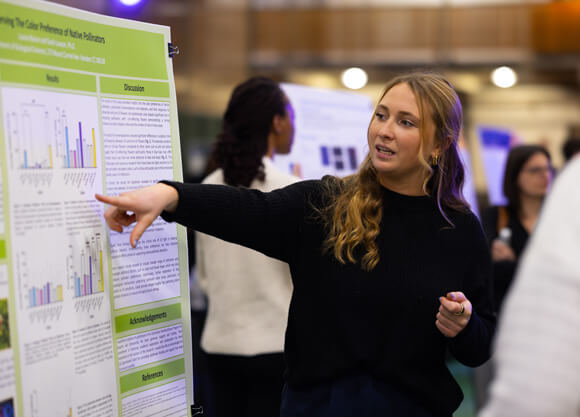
394	197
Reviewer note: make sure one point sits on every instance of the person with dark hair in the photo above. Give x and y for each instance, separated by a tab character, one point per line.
258	122
527	178
537	345
248	292
571	147
391	269
526	181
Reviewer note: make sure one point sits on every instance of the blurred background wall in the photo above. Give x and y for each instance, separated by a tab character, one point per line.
312	42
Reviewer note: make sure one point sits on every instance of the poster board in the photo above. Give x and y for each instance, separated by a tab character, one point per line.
468	190
330	136
495	147
95	328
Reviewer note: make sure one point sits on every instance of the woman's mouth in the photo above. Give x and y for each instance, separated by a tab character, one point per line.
384	151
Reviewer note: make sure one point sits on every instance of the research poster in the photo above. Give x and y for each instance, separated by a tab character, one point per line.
469	192
330	132
88	325
495	146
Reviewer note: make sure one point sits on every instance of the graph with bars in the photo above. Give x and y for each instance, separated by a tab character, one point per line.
47	294
339	158
80	152
86	267
46	130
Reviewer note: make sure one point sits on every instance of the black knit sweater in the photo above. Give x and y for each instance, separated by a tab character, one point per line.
344	320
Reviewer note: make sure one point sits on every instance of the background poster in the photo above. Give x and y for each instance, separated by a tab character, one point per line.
88	325
495	146
331	132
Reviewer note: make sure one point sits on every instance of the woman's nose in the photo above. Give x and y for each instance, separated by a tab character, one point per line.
386	129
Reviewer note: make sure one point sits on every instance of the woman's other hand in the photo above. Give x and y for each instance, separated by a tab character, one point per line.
142	206
454	313
500	251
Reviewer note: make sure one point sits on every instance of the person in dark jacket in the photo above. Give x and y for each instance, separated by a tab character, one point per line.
527	179
391	269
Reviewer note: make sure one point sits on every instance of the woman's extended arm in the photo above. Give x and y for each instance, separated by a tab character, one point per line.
266	222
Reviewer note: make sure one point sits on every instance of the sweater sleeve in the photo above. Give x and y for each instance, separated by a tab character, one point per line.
472	346
536	353
266	222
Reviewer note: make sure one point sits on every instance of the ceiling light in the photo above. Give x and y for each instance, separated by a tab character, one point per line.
504	77
129	2
354	78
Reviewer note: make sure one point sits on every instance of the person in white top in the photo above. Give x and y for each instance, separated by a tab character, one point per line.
248	293
537	350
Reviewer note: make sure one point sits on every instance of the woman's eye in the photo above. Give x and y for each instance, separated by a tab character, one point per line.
407	123
380	116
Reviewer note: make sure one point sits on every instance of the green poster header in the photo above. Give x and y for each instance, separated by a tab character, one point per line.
152	375
147	317
40	37
134	87
48	78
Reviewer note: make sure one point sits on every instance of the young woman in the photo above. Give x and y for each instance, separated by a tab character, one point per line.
248	293
390	268
527	179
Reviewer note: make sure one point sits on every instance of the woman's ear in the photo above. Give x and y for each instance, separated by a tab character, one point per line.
441	146
277	123
446	143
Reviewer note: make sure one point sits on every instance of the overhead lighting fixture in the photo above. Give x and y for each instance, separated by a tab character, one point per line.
129	2
504	77
354	78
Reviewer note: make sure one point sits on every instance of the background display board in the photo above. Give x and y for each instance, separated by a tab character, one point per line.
495	146
88	325
331	132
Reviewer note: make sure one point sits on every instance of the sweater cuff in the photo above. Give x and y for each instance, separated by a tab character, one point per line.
468	332
472	346
170	217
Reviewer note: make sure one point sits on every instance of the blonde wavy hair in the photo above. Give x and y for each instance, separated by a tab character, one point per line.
355	211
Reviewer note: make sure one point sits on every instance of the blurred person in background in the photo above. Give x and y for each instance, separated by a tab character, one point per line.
527	179
536	351
391	270
248	292
571	147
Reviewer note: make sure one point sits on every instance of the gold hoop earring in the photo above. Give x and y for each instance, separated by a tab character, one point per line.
434	160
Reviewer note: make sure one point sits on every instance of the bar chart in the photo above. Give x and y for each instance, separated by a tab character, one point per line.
41	294
28	132
339	158
47	130
79	150
85	267
49	293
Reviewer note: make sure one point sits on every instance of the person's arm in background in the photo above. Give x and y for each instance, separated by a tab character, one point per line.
538	343
503	257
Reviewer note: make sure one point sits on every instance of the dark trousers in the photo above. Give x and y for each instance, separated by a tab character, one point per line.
246	386
358	395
